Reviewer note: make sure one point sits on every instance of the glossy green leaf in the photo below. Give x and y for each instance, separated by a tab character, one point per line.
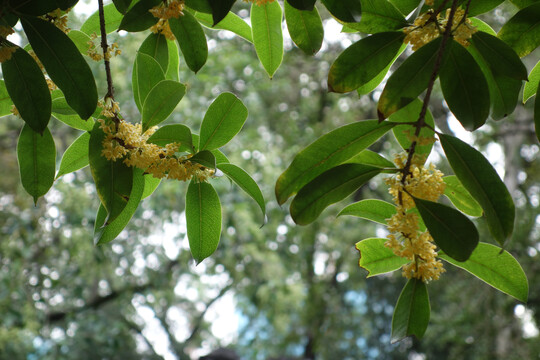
496	267
107	232
409	80
302	4
150	185
405	6
112	21
222	121
161	102
375	210
246	183
60	106
205	158
537	113
483	183
5	100
138	18
76	155
113	179
523	3
75	121
267	35
363	61
203	220
156	46
376	258
481	7
174	61
64	64
328	188
122	5
199	5
502	59
220	9
412	311
452	231
344	10
411	113
532	85
177	133
326	152
305	28
373	83
482	26
368	157
460	197
379	16
191	39
146	74
80	40
31	7
231	22
464	87
36	154
28	89
522	31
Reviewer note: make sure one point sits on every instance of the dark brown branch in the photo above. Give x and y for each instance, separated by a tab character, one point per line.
105	47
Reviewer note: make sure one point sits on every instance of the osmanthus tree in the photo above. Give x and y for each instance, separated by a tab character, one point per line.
479	71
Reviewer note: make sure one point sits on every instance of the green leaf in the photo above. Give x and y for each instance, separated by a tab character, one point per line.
326	152
138	18
150	185
481	7
522	31
452	231
483	183
199	5
174	61
64	64
231	22
302	4
156	46
246	183
376	258
344	10
80	40
122	5
76	155
222	121
113	179
192	41
113	18
205	158
405	6
267	35
161	102
375	210
532	85
373	83
104	233
502	59
496	267
5	100
220	9
305	28
482	26
146	74
368	157
409	80
28	89
31	7
379	16
411	113
523	3
37	161
203	220
537	113
464	87
177	133
363	61
460	197
60	106
412	311
328	188
75	121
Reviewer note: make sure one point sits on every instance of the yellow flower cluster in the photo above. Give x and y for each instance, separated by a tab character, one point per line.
126	140
259	2
6	51
165	11
429	26
59	19
92	52
405	238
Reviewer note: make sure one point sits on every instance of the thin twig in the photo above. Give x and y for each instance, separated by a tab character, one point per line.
105	47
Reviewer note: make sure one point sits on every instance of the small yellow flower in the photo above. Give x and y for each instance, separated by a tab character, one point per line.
58	18
5	52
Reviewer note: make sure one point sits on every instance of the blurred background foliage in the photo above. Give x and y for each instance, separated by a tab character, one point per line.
276	292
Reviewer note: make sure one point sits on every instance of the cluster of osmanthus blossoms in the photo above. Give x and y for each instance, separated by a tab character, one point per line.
405	237
165	11
127	141
428	26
